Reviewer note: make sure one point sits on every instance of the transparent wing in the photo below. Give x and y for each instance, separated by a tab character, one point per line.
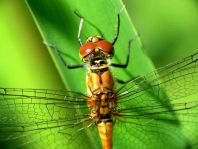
34	117
160	109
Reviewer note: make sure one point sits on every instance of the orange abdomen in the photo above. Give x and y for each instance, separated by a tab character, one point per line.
105	130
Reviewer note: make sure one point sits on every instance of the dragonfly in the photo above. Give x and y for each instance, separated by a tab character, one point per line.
155	110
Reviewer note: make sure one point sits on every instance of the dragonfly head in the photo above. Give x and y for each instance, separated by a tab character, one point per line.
96	47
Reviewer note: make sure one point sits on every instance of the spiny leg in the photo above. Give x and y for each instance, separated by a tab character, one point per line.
118	30
123	65
61	58
79	31
118	26
127	60
81	25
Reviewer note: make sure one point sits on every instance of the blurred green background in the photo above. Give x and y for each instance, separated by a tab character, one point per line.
167	28
24	59
168	31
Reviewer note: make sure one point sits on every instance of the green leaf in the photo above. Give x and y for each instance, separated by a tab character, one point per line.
23	62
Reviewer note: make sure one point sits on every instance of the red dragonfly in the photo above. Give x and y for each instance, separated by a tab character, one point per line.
158	107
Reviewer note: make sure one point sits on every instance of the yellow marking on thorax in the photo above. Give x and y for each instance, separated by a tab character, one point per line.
101	67
104	109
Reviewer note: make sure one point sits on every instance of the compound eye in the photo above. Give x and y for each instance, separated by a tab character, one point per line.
87	48
105	46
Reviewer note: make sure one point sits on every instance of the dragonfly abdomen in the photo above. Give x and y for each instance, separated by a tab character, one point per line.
105	129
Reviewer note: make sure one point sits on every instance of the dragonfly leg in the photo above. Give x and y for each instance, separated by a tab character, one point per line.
79	30
61	58
118	26
118	30
120	81
81	25
123	81
127	60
